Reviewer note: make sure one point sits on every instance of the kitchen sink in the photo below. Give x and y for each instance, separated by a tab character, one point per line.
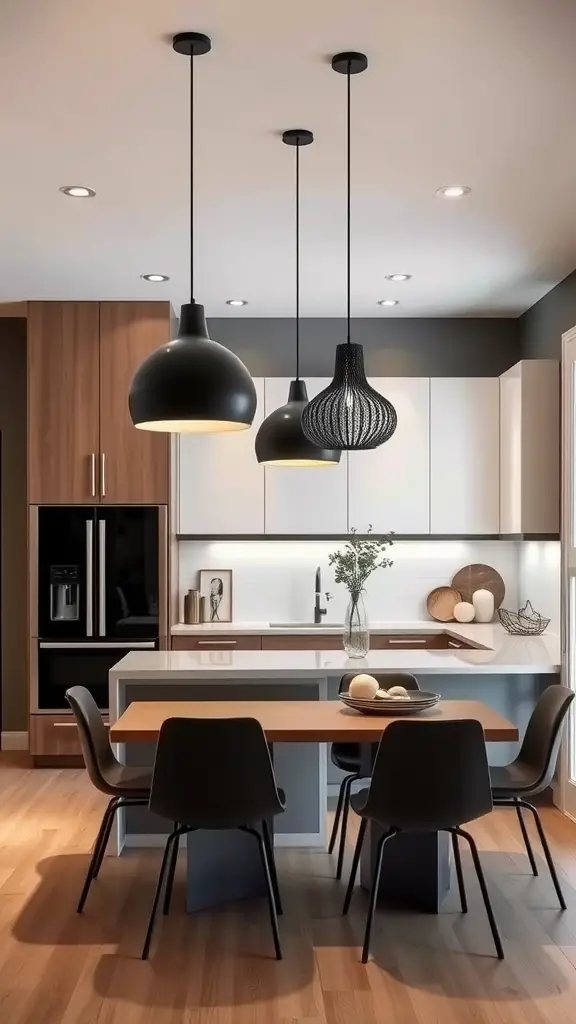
306	625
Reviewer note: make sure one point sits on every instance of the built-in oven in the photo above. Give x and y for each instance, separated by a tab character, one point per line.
61	665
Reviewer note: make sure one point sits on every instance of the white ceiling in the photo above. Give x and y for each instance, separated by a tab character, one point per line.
479	92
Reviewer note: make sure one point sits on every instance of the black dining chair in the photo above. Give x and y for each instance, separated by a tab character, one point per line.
515	784
127	786
347	757
239	792
427	777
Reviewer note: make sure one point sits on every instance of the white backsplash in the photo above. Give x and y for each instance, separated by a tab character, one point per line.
539	577
274	580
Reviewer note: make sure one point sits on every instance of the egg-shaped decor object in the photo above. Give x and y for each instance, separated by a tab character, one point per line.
398	691
464	611
382	694
363	686
483	601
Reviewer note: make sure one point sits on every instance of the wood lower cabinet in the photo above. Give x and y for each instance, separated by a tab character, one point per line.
82	445
54	736
301	643
438	641
63	402
134	464
247	642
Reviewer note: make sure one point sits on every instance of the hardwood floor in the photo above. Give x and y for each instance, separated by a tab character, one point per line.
217	968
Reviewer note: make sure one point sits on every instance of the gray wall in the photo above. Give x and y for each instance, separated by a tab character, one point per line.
393	347
542	326
14	538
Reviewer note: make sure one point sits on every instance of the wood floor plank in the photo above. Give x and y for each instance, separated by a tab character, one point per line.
57	967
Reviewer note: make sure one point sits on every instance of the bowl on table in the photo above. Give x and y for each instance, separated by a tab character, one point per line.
412	704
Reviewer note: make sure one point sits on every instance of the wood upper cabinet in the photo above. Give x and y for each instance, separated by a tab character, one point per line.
134	464
82	446
63	402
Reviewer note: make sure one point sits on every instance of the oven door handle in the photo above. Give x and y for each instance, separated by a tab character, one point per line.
95	645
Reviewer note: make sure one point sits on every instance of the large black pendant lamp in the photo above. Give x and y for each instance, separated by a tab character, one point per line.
280	440
192	384
349	414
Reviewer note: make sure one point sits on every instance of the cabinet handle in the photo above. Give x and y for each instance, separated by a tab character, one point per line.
410	641
222	643
93	473
103	480
71	725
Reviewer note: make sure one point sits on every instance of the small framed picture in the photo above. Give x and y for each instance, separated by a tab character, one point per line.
216	588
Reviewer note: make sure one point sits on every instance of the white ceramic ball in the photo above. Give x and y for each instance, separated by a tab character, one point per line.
398	691
464	611
363	686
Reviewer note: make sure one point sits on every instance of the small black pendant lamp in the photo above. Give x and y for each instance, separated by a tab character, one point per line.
192	384
349	414
280	440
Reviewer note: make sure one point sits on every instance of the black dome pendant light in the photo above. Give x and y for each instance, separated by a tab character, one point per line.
349	414
280	440
192	384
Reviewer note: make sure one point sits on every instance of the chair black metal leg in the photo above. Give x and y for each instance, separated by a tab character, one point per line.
525	836
99	845
272	864
171	873
355	862
484	890
271	898
547	854
345	810
374	893
459	873
337	816
172	838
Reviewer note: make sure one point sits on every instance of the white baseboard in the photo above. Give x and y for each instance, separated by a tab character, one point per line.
133	840
14	741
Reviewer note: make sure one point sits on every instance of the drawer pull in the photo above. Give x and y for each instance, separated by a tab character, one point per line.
410	641
71	725
452	643
221	643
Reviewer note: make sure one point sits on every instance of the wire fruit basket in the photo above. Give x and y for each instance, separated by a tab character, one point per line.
524	622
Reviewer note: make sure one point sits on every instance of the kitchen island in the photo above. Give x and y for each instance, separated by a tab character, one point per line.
507	673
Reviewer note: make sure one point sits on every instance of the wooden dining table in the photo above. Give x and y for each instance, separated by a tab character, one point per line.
416	867
301	721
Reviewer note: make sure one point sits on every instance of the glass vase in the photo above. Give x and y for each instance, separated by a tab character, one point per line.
356	635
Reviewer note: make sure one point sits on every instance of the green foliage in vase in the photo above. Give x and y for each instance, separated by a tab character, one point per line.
358	559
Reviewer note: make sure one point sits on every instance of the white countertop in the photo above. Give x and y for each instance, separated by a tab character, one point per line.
329	629
497	653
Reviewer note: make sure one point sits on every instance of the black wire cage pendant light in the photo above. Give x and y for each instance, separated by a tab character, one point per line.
280	441
349	414
192	384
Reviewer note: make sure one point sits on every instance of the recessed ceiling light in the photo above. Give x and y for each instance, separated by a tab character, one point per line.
78	191
236	302
155	277
388	302
398	277
453	191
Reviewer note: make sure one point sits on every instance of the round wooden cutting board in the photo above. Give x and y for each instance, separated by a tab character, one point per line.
479	577
441	603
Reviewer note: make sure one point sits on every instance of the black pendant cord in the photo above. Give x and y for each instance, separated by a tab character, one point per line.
297	262
192	178
348	218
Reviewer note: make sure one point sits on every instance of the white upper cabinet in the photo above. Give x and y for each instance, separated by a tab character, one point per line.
304	501
530	447
389	487
464	455
221	485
